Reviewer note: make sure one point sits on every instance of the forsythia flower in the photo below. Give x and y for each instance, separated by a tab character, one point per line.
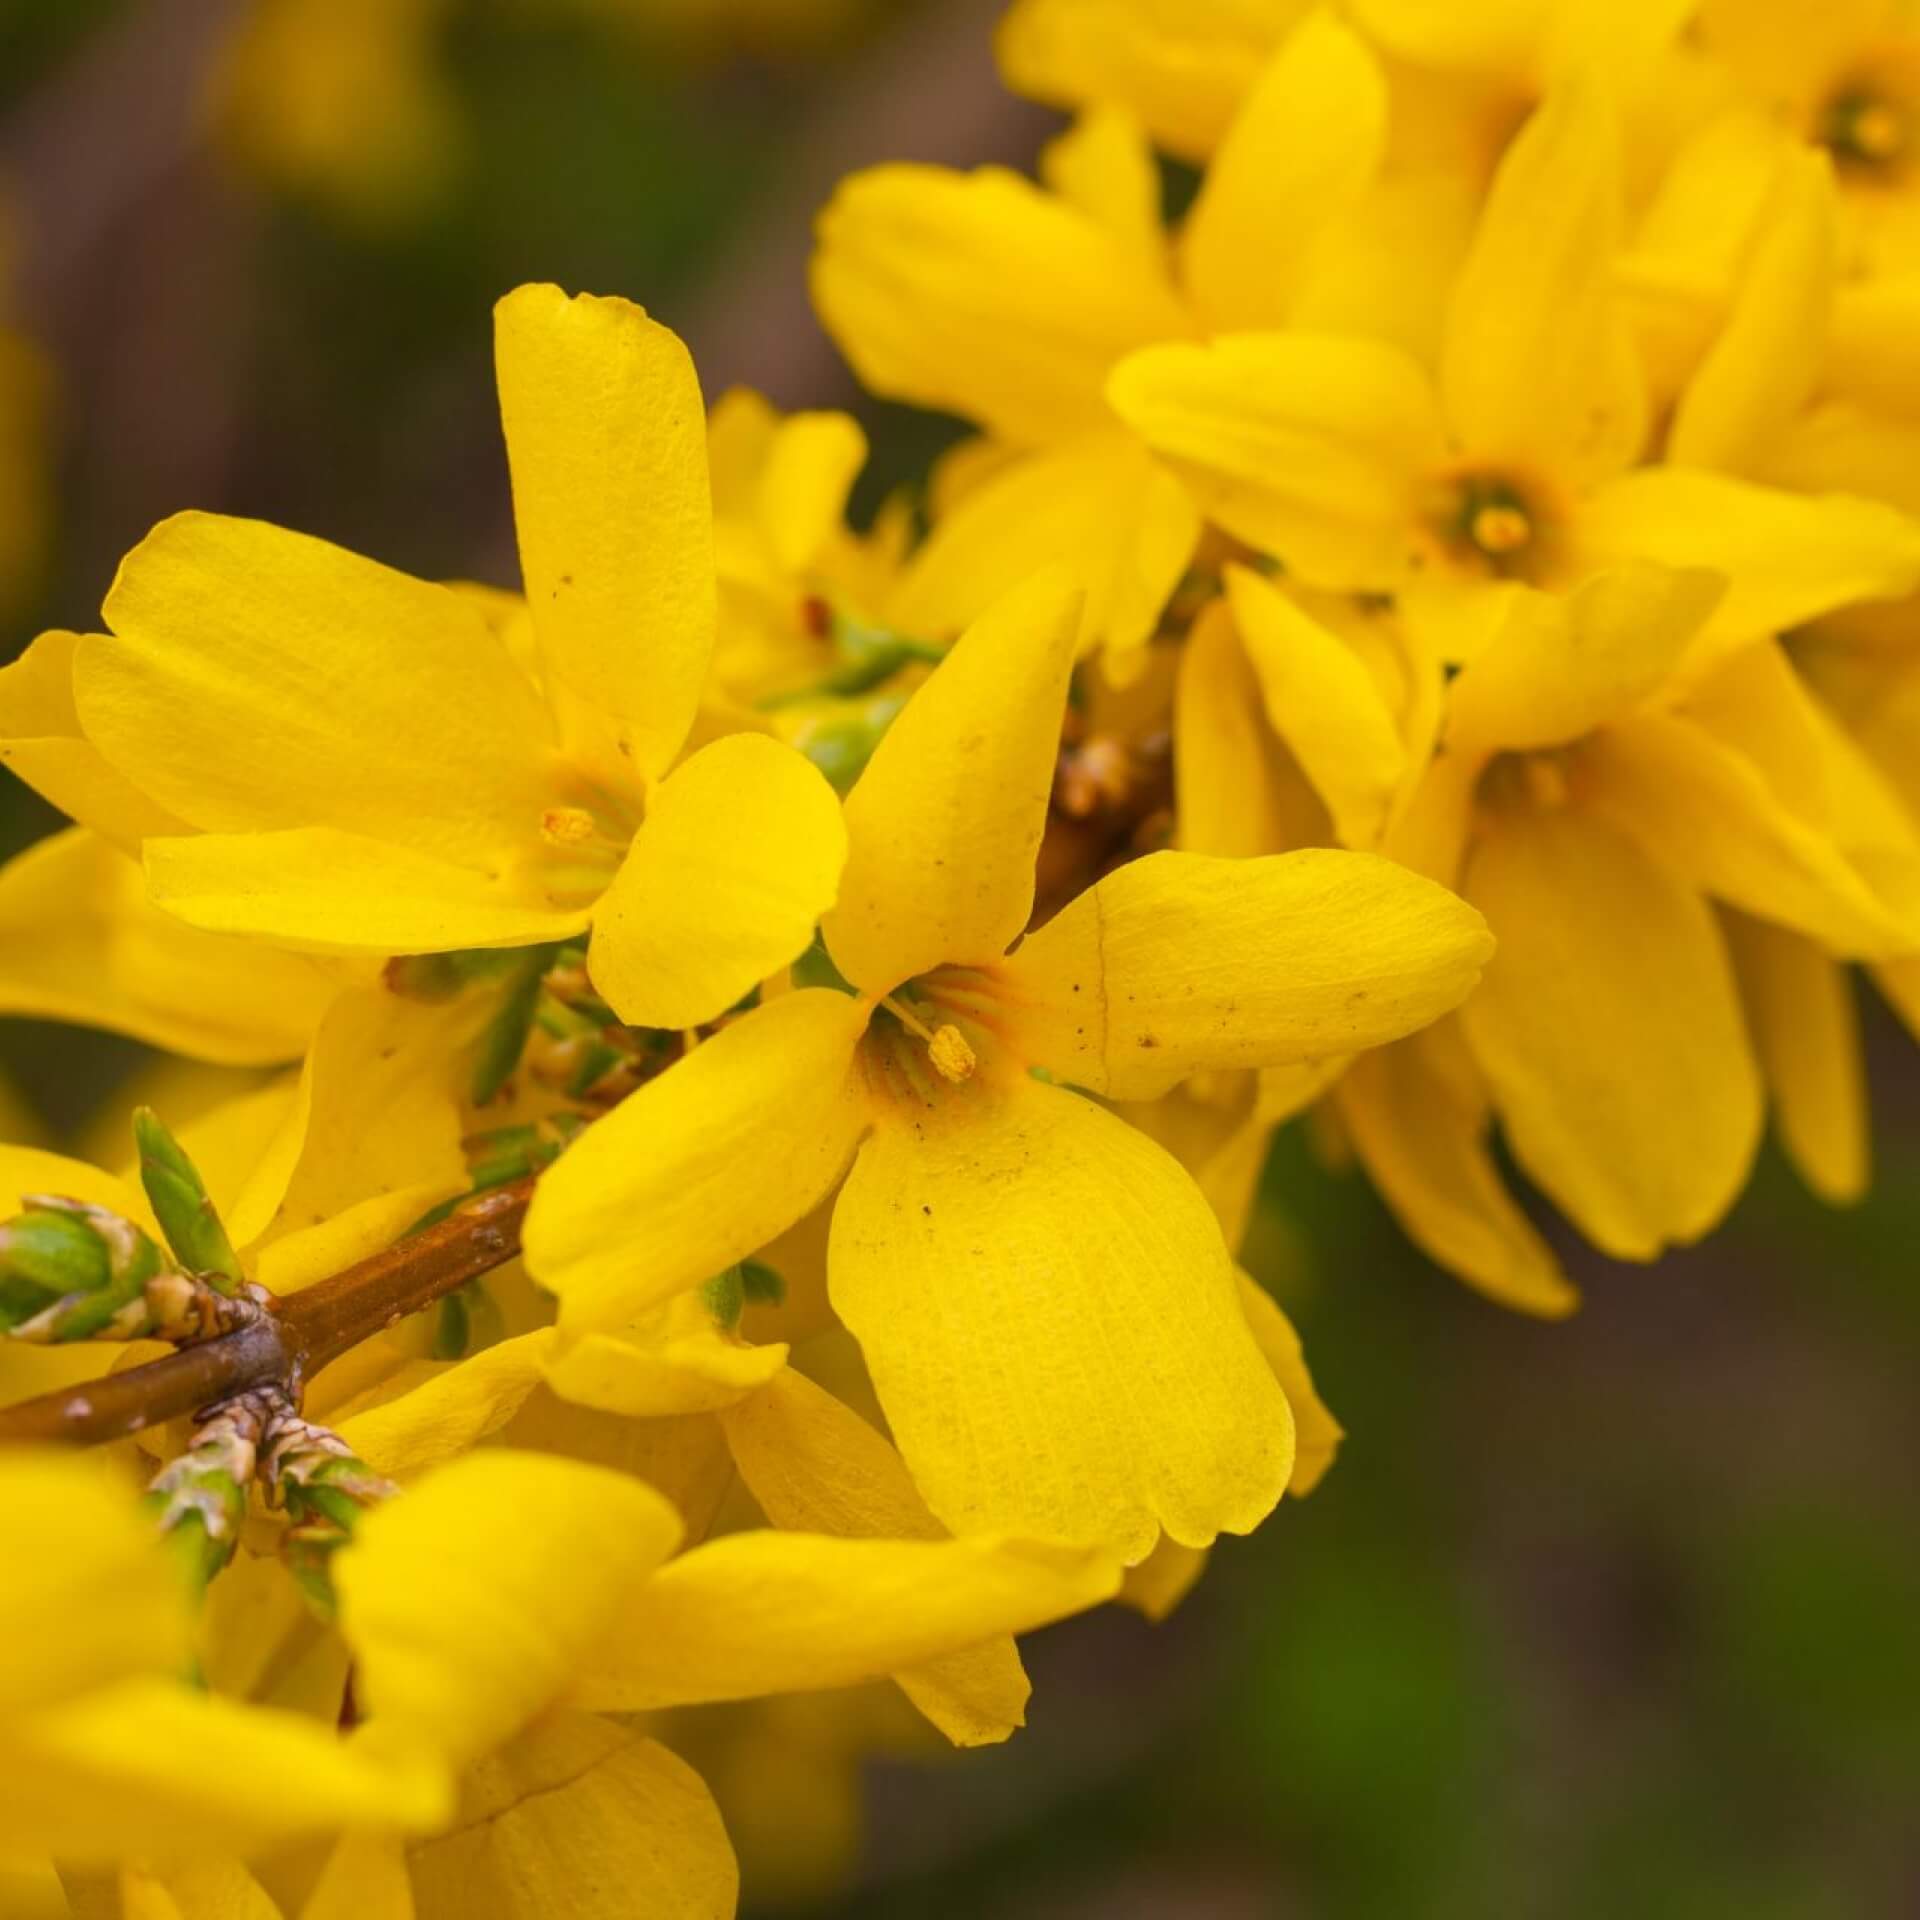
1045	1303
372	768
1435	647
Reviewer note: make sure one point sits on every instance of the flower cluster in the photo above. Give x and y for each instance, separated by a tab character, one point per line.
1419	638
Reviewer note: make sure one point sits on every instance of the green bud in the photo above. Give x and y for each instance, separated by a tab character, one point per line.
43	1258
69	1271
183	1206
325	1489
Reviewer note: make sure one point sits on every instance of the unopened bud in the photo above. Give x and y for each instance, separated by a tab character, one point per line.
183	1206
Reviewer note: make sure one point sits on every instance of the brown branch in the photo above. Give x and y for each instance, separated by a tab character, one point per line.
295	1339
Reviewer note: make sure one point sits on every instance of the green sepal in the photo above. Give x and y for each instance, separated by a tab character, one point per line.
762	1286
437	977
725	1296
452	1328
504	1039
183	1206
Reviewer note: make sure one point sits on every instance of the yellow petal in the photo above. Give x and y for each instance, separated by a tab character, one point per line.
44	745
770	1612
1163	1579
1050	1317
1714	817
1238	790
1100	505
1806	1031
444	1416
606	439
1498	37
1178	962
473	1602
303	1255
92	1596
1103	167
1539	368
257	679
365	1878
1306	446
1419	1123
672	1360
982	295
207	1890
739	856
79	941
1301	151
1609	1030
812	462
1789	55
1870	359
1323	702
376	1113
814	1466
702	1166
741	427
582	1819
1316	1433
1558	666
318	890
1788	557
945	823
1767	363
1181	66
188	1770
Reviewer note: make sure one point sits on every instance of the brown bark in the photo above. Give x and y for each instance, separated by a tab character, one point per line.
294	1340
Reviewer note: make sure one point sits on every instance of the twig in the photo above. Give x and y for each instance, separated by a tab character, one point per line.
293	1341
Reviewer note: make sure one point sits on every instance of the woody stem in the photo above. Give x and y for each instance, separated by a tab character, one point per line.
292	1341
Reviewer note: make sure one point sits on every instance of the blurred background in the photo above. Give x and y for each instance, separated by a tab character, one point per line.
1615	1617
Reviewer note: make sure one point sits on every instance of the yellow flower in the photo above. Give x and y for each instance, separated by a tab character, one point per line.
787	563
1463	76
1606	780
108	1751
493	1611
1181	67
1042	1296
1516	463
1844	78
984	295
372	769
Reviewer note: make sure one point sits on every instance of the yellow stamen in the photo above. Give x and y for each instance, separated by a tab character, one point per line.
952	1058
567	826
1500	529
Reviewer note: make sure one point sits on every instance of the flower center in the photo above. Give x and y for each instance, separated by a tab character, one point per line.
1490	522
580	842
1866	130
